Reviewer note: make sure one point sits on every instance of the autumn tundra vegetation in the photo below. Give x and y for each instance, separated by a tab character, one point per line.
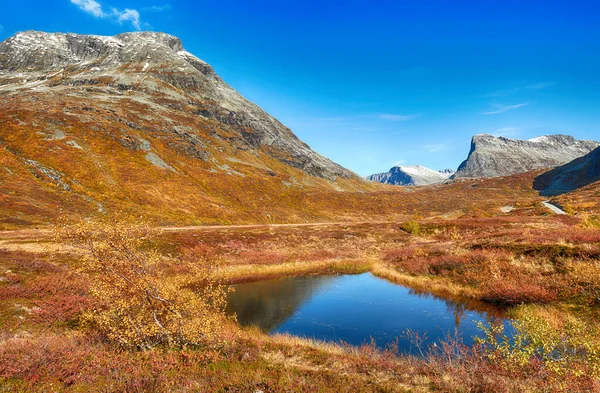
111	306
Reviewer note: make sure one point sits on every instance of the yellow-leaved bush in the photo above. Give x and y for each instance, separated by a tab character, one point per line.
571	348
142	298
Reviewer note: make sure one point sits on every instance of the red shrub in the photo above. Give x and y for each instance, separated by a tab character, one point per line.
11	292
514	291
199	251
263	257
55	284
448	265
397	255
419	265
13	278
32	360
319	255
60	309
21	260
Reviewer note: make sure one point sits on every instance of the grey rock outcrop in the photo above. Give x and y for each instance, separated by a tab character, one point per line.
411	175
498	156
571	176
140	61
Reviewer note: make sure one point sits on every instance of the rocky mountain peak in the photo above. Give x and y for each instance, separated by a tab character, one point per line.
492	156
411	175
39	51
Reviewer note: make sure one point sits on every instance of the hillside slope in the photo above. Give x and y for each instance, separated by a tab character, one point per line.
152	66
573	175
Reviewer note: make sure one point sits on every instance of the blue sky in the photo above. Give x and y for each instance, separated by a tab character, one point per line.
371	84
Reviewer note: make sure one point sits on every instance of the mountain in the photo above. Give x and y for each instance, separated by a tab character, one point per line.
411	175
571	176
148	63
135	125
498	156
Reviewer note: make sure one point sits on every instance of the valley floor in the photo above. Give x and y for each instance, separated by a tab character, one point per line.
543	268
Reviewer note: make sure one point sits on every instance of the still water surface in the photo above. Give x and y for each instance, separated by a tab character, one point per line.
354	308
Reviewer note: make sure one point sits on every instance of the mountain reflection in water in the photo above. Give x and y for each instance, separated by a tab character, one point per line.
356	308
267	304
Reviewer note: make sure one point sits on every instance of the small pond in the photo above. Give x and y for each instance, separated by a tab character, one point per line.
354	308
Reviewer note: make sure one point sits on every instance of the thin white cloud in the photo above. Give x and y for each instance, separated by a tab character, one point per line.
436	147
400	163
352	120
540	85
499	108
516	90
94	8
157	8
395	117
506	132
1	28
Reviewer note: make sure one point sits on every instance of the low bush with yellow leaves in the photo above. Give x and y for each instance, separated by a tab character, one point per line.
144	299
570	350
411	227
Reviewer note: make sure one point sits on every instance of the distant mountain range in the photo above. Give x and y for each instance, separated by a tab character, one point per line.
411	175
492	156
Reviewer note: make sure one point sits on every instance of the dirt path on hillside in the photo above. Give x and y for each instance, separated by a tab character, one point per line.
256	226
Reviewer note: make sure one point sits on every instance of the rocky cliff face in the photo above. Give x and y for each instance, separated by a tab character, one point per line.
571	176
498	156
148	65
411	175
